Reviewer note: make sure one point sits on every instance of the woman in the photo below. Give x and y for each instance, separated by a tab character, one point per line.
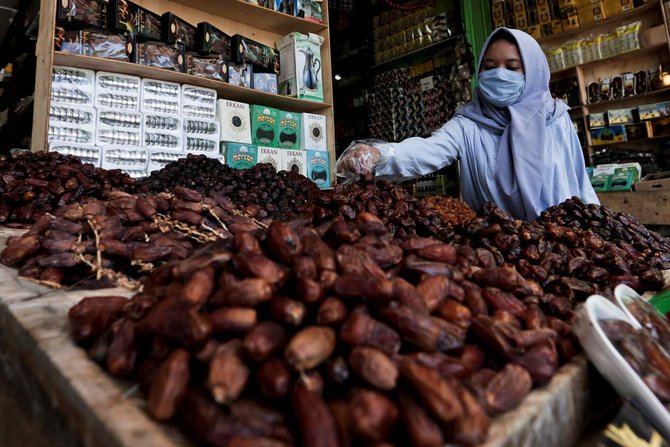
516	145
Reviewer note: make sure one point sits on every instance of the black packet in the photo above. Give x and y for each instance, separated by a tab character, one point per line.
176	30
82	13
212	66
97	43
212	40
160	55
247	51
126	16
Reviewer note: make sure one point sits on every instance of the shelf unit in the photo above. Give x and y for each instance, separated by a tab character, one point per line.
232	16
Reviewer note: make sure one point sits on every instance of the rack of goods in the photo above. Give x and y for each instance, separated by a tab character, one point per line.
135	85
609	62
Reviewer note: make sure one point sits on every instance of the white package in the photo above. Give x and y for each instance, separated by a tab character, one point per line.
313	133
271	155
201	136
72	86
72	125
234	121
131	161
117	91
198	102
119	128
87	154
295	159
158	159
160	97
162	131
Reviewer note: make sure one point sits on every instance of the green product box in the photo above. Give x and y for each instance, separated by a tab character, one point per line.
621	181
600	182
300	61
264	123
629	170
240	155
289	130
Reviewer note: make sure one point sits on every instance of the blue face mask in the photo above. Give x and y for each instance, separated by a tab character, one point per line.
500	86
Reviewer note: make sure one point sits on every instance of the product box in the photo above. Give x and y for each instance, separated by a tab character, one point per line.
639	131
198	102
158	159
570	22
178	30
82	13
96	43
661	127
119	128
162	131
247	51
656	110
591	13
621	181
544	16
309	10
295	161
622	116
87	154
161	97
271	155
72	124
611	168
597	120
117	91
521	21
126	16
535	31
600	182
318	167
212	40
313	134
608	135
131	161
654	182
614	7
269	4
498	13
285	6
240	156
519	6
301	75
201	136
265	82
212	66
264	125
159	55
289	127
73	86
234	121
556	26
240	75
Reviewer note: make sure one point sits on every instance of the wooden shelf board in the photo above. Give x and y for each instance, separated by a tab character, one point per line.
627	16
263	18
639	52
607	105
649	207
628	143
224	89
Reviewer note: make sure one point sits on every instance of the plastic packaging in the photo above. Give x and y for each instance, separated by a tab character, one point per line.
162	131
361	157
87	154
131	161
72	125
117	91
158	159
72	86
198	102
160	97
118	128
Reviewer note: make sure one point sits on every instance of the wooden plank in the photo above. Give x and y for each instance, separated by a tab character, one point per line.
223	89
44	62
327	74
649	207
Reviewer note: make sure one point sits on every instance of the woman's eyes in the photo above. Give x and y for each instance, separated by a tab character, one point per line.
511	68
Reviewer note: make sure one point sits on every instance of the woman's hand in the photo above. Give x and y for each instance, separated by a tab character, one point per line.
358	160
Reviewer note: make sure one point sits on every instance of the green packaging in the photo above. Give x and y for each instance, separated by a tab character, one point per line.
240	155
600	182
264	122
289	130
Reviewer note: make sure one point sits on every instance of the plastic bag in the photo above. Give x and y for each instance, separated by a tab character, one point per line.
361	157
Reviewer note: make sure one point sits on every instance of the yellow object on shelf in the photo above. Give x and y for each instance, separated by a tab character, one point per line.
591	13
570	22
614	7
535	31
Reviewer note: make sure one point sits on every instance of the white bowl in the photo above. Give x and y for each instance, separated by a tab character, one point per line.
611	363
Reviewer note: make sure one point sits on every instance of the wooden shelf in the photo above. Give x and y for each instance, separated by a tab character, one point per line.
625	17
262	18
602	106
639	52
420	50
224	89
628	143
649	207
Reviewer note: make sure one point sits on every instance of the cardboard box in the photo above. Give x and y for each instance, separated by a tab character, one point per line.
591	13
178	30
289	125
544	15
264	121
621	181
295	160
301	74
212	40
521	21
654	182
653	36
570	22
600	182
318	168
265	82
639	131
611	168
271	155
309	10
614	7
622	116
126	16
82	13
314	132
661	128
240	156
608	135
656	110
234	121
597	120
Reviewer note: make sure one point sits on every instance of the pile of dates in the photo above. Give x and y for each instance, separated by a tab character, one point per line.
567	261
101	243
334	335
403	214
451	210
33	184
260	191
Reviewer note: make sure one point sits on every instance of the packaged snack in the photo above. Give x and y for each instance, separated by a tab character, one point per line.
72	86
82	12
198	102
212	40
162	131
117	91
160	55
234	121
126	16
177	30
160	97
213	66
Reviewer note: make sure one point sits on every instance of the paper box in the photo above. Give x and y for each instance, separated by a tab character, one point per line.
285	6
160	97
234	121
310	10
600	182
622	116
656	110
301	74
247	51
608	135
240	75
661	127
591	13
240	156
639	131
289	125
117	91
264	121
119	128
162	131
212	40
265	82
614	7
82	12
654	182
597	120
621	181
295	161
271	155
126	16
178	30
318	167
159	55
314	134
611	168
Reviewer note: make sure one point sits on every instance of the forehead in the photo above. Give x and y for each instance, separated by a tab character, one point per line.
502	48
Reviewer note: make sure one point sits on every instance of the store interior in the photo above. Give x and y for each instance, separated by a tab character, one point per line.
316	223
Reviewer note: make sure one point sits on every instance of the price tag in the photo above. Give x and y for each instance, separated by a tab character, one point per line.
427	83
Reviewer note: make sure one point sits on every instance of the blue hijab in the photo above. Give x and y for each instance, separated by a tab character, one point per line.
522	126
